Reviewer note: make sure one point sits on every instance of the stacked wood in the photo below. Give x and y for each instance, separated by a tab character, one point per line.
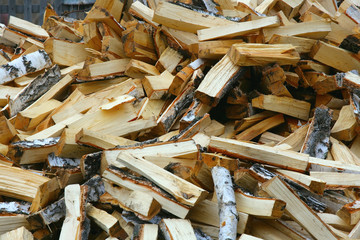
182	120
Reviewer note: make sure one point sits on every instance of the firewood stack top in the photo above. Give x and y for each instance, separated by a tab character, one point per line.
182	120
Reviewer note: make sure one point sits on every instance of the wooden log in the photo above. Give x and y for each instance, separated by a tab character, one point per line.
283	105
345	60
317	141
248	237
138	202
20	233
341	153
169	60
76	225
156	87
46	193
177	229
257	153
142	11
290	8
132	182
260	127
138	69
350	213
226	201
34	90
180	18
298	210
260	207
196	109
145	231
237	29
105	221
314	30
344	128
183	191
336	180
27	152
214	49
218	81
257	54
335	221
26	64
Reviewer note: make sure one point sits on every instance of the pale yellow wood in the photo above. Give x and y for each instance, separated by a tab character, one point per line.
302	45
248	237
19	234
8	223
157	86
177	229
337	180
237	29
341	153
344	128
335	221
298	209
27	27
109	68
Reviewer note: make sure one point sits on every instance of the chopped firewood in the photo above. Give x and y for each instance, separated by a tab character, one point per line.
237	29
283	105
75	52
34	90
156	87
20	233
215	49
139	69
251	54
76	225
101	141
180	18
317	140
297	209
183	191
27	28
26	64
138	202
226	201
145	232
270	138
260	127
36	151
177	229
340	152
248	237
262	154
218	81
344	128
168	60
47	192
105	221
214	159
132	182
196	110
260	207
350	213
337	180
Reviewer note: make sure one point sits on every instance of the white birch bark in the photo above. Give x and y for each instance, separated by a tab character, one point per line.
227	205
21	66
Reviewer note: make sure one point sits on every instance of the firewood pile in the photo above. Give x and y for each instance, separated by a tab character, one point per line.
182	120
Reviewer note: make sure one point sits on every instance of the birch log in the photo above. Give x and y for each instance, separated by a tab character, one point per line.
26	64
226	201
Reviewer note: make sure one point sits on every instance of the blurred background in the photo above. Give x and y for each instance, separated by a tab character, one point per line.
32	10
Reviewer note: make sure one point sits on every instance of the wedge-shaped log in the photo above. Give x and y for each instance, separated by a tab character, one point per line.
27	27
260	207
177	229
289	106
28	152
76	225
64	52
258	153
134	183
138	202
20	233
218	81
182	190
34	90
168	60
345	125
105	221
312	29
350	213
109	69
146	232
302	45
26	64
257	54
139	69
298	210
19	183
344	60
237	29
156	87
7	130
180	18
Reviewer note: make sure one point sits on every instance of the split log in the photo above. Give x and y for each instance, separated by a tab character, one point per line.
132	182
145	232
215	49
297	209
335	221
227	204
26	64
285	105
34	90
156	87
177	229
196	109
350	213
317	141
76	225
169	60
218	81
139	69
20	234
138	202
345	126
182	190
